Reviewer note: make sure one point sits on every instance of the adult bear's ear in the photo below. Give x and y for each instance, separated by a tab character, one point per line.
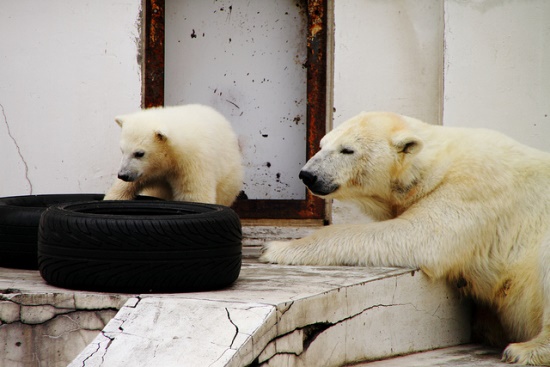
119	120
160	136
407	143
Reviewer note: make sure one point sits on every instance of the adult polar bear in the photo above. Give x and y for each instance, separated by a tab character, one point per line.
468	205
184	153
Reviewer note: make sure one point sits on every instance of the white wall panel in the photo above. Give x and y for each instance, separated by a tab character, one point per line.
389	56
497	67
66	69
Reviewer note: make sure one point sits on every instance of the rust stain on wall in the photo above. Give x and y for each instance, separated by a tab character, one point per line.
316	92
316	64
153	63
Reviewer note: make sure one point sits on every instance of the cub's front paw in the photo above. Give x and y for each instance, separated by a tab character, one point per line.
118	196
109	197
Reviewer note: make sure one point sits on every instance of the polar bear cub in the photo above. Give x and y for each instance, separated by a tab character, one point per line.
184	153
468	205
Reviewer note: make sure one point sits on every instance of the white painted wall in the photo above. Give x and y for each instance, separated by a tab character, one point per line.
497	67
66	69
469	63
388	56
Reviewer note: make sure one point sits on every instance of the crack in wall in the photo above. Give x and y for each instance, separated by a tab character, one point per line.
110	339
312	331
17	147
216	361
93	353
138	300
84	322
64	312
66	315
17	294
78	327
236	328
124	319
286	309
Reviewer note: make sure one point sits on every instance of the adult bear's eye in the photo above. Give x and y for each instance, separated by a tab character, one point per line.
139	154
346	151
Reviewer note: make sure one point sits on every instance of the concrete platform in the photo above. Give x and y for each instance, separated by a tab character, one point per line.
458	356
272	316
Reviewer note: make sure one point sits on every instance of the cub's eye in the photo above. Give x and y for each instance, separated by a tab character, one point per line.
139	154
346	151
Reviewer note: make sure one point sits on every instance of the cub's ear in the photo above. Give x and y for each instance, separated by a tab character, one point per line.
407	143
119	120
160	136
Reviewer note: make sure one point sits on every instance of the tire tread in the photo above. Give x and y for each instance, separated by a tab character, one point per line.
199	251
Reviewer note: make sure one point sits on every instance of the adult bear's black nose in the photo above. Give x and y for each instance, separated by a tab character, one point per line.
308	178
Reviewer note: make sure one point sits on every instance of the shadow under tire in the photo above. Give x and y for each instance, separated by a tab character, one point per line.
140	247
19	219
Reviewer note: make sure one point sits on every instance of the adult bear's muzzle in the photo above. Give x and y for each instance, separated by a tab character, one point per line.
317	185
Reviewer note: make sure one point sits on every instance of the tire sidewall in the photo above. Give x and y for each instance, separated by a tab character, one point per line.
121	247
19	221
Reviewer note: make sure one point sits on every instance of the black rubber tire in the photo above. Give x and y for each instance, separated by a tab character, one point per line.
140	247
19	219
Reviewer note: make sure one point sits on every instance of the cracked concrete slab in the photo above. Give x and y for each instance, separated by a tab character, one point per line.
179	332
272	316
285	316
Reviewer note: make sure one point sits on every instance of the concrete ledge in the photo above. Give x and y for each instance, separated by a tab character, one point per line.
272	316
457	356
42	325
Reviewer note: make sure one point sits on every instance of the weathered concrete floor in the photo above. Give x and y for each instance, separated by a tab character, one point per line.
458	356
272	316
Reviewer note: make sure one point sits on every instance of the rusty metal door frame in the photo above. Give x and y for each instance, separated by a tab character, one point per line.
317	66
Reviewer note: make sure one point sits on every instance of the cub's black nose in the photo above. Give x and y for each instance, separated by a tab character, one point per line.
124	177
308	178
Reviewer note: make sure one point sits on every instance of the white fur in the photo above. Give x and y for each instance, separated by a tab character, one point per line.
468	205
190	153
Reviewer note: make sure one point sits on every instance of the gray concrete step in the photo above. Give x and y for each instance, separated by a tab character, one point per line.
457	356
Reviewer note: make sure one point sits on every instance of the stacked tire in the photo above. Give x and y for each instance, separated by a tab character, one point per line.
19	220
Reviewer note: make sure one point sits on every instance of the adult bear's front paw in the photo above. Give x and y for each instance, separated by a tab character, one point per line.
282	252
297	252
534	352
